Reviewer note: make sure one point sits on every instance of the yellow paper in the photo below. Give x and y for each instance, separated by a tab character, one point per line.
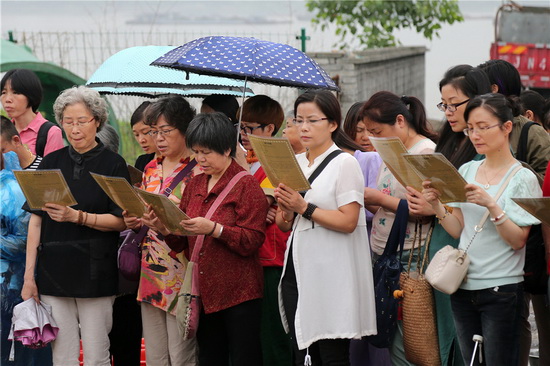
279	162
44	186
136	175
121	192
391	150
167	212
443	175
538	207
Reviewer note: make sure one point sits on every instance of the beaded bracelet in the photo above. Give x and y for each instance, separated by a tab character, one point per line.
444	215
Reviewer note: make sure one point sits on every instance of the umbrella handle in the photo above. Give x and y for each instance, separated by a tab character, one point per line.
241	109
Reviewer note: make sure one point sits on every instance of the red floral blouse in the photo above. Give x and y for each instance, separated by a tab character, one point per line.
229	269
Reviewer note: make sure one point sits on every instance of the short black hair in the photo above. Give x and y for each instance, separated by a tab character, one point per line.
139	113
25	82
176	111
504	75
533	101
7	128
214	131
226	104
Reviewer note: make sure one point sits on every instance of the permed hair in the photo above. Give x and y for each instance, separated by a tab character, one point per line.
214	131
81	94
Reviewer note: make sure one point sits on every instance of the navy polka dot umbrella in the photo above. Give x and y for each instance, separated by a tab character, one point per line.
249	59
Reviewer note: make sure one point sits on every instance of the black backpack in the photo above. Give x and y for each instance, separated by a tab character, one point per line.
535	278
42	137
386	273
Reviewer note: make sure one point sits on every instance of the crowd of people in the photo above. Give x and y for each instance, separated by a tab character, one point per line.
286	277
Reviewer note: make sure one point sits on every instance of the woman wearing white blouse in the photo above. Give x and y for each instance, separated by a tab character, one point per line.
326	295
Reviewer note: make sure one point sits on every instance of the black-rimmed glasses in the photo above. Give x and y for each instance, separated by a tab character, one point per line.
450	107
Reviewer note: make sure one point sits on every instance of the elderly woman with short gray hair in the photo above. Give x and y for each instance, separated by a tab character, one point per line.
71	251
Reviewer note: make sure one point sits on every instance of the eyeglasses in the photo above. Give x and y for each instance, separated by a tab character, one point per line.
299	121
450	107
78	122
154	133
248	129
478	130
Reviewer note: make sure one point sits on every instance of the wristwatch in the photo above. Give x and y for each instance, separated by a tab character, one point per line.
309	211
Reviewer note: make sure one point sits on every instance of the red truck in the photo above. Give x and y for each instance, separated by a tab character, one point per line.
522	37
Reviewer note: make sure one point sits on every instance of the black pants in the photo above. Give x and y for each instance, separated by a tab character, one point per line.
126	335
325	352
231	335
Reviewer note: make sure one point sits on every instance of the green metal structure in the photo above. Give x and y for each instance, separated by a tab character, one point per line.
54	78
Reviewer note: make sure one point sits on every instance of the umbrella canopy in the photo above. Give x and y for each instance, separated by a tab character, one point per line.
129	72
248	59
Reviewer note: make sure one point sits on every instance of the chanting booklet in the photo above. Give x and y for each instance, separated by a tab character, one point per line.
441	173
44	186
279	162
538	207
136	175
412	169
391	150
167	212
121	192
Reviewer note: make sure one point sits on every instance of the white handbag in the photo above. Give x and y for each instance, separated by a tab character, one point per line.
449	266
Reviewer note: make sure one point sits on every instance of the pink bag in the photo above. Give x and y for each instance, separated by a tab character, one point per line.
188	308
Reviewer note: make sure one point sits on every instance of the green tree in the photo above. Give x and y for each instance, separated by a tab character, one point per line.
371	23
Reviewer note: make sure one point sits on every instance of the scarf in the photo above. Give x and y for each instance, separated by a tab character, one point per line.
80	159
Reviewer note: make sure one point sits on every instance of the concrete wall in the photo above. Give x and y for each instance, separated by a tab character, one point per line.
400	70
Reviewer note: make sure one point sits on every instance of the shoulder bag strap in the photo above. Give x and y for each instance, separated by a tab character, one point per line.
321	167
396	239
42	137
179	177
521	152
213	208
479	227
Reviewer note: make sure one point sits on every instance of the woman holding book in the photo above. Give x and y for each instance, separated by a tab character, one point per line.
71	251
489	303
388	115
324	268
162	270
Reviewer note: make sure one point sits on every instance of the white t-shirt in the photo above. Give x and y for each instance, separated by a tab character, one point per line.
492	261
333	269
383	219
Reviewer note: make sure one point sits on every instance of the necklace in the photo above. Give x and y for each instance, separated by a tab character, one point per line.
30	159
488	184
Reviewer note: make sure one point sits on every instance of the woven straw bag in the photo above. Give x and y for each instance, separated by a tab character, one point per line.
419	319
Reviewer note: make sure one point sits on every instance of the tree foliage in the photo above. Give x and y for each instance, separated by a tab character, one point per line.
371	22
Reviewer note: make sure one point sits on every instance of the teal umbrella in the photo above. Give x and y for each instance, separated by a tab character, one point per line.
130	72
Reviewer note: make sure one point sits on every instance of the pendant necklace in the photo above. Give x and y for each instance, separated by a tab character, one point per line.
488	184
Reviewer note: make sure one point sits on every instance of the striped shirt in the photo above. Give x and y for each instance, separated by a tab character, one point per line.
34	165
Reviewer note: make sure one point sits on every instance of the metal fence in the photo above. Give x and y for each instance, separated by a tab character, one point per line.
83	52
